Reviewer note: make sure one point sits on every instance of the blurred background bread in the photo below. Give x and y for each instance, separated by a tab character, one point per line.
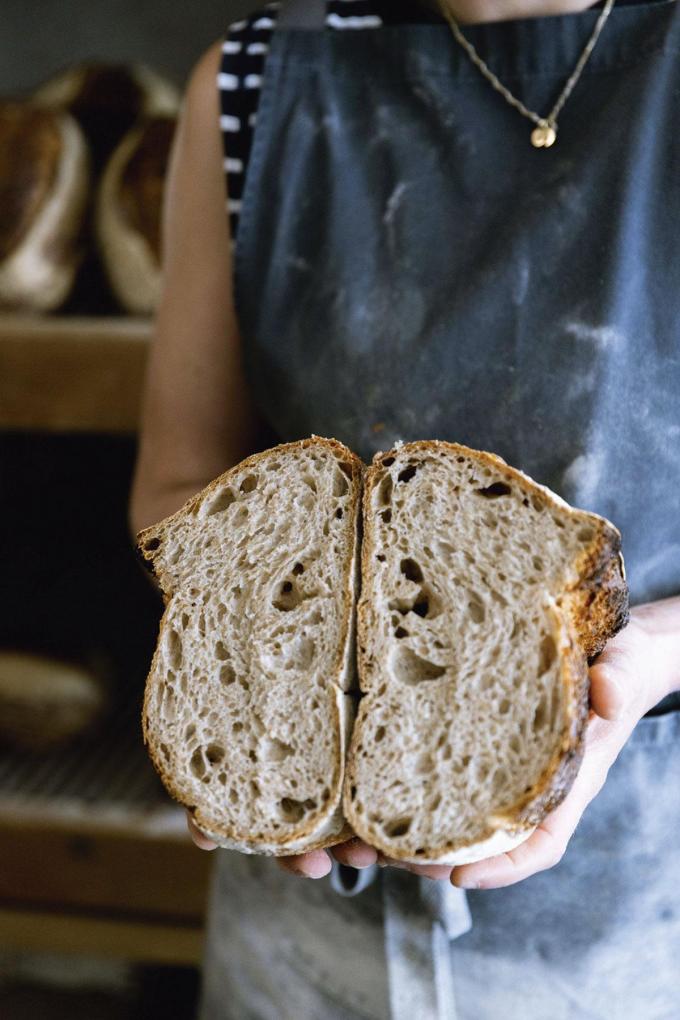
95	136
128	214
46	702
44	187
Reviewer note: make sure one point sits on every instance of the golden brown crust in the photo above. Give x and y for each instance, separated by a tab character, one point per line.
141	186
586	617
150	548
29	160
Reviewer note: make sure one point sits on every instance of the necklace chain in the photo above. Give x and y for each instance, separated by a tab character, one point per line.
547	126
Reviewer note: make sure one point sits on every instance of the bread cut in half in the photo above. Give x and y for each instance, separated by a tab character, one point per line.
483	597
247	706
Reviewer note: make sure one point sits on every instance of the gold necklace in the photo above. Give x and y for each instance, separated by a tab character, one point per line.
545	132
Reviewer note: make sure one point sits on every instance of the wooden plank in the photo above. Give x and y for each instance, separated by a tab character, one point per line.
72	374
44	868
137	939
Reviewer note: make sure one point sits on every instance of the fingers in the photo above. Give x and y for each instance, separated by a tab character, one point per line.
434	871
547	844
201	841
355	853
314	864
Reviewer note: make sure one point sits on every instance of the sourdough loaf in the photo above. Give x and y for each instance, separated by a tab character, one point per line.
128	214
483	597
44	179
248	702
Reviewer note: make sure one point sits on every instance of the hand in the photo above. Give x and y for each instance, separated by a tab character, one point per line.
635	671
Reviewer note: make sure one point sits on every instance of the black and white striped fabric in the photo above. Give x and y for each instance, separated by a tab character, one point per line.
244	52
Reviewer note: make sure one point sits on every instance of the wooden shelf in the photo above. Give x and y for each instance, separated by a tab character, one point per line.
72	374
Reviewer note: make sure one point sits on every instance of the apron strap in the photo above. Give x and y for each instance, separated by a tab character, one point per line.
302	14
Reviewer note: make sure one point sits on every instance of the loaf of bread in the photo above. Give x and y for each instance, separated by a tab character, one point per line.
44	180
107	100
483	597
128	214
246	711
46	702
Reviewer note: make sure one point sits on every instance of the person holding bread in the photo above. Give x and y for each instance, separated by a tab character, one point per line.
453	220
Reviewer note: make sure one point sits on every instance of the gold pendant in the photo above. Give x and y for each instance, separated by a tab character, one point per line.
543	136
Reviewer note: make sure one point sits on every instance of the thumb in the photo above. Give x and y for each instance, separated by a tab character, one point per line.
617	684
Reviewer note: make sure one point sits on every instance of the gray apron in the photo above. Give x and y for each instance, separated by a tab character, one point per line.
408	266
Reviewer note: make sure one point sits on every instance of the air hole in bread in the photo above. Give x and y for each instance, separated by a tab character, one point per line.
249	483
185	620
559	522
538	503
476	608
384	490
237	726
409	668
227	674
380	558
388	461
540	714
423	605
221	501
490	520
244	683
165	752
298	569
288	597
340	484
435	802
494	491
424	763
407	474
311	482
214	753
497	597
379	734
152	544
233	796
221	652
254	788
197	764
400	633
353	792
411	570
397	827
173	648
294	810
537	563
189	731
504	706
585	534
386	516
547	654
273	750
223	778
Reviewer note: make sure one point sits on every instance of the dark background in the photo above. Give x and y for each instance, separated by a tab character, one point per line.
39	38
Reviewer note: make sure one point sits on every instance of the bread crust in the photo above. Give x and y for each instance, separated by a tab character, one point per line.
150	548
588	613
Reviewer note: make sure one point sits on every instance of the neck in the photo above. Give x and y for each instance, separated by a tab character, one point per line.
474	12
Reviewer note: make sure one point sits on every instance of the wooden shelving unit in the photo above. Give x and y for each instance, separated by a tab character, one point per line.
98	878
68	374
